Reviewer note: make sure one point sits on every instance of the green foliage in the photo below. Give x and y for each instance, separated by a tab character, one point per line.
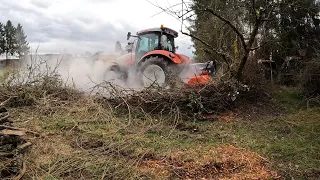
2	39
299	25
288	26
12	39
22	44
289	98
215	32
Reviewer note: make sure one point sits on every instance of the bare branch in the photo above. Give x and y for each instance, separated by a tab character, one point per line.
223	55
230	24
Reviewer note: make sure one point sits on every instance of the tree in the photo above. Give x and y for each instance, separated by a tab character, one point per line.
235	31
2	39
10	39
299	26
243	21
22	46
118	47
215	32
295	27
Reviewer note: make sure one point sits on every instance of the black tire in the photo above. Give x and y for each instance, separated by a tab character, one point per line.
168	67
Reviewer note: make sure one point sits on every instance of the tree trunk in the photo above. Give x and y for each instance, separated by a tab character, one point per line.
248	48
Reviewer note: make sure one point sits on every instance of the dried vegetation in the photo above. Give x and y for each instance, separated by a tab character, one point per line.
125	135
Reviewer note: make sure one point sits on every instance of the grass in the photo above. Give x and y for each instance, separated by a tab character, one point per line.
290	98
291	142
87	141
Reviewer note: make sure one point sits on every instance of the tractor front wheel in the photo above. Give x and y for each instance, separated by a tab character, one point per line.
156	71
114	74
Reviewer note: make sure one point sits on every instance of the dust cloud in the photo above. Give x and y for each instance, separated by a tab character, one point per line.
82	73
89	73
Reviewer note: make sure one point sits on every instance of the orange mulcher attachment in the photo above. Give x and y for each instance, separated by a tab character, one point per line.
199	79
205	75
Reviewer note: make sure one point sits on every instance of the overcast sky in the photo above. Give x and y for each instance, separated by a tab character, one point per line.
77	26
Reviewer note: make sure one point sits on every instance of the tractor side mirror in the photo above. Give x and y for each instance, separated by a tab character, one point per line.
177	47
128	35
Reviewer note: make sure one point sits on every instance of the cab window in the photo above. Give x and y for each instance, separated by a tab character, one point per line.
148	42
167	42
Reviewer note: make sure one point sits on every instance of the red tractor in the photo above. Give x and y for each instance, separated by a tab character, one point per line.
153	59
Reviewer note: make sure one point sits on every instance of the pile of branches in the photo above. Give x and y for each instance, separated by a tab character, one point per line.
12	148
187	101
40	91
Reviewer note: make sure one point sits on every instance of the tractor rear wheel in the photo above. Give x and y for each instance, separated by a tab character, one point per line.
156	71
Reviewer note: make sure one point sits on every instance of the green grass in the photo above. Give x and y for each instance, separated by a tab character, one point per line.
291	142
289	98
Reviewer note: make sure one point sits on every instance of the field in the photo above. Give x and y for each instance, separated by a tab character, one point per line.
76	136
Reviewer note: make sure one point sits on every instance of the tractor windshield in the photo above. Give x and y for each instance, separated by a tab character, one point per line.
148	42
154	41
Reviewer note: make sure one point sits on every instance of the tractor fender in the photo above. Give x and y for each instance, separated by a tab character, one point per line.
184	59
169	55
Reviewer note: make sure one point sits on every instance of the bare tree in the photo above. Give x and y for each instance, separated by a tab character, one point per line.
243	19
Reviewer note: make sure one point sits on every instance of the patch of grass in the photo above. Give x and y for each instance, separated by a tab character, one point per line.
291	141
289	98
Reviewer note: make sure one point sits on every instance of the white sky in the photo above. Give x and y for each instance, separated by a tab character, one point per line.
77	26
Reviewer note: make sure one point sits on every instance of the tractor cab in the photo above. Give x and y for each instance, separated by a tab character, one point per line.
154	39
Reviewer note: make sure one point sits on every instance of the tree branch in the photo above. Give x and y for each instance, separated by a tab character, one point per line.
250	43
224	56
230	24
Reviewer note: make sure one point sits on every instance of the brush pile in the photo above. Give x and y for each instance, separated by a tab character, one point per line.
12	148
186	101
46	90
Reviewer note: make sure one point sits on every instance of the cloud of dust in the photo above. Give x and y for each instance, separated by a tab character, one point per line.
89	73
83	73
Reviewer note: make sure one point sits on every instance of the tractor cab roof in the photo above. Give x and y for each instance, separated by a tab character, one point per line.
161	29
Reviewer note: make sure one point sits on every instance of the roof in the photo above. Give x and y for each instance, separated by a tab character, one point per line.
165	29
